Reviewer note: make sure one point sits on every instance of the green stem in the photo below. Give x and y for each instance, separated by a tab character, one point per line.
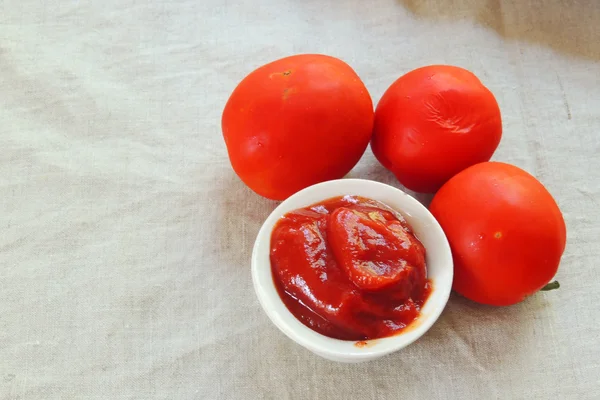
551	286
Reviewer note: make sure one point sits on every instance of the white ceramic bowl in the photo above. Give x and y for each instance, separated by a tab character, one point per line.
439	270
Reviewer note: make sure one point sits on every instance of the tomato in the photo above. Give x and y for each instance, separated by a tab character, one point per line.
295	122
434	122
506	232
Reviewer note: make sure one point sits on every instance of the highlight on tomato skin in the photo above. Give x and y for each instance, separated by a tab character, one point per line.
434	122
506	232
295	122
349	268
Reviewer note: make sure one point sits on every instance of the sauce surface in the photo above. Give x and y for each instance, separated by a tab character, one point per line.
349	268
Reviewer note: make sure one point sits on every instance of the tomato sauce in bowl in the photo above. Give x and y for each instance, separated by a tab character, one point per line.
349	268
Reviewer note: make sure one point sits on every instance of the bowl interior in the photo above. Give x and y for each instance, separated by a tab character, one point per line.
438	259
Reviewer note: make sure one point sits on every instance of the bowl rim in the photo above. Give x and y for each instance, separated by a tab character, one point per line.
331	348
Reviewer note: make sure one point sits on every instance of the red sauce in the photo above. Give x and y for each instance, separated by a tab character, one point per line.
349	268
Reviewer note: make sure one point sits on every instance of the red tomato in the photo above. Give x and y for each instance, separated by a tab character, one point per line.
434	122
506	232
295	122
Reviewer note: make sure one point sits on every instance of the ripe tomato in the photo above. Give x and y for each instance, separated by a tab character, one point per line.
434	122
295	122
506	232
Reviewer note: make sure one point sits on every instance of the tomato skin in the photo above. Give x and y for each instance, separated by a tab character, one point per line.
432	123
295	122
506	232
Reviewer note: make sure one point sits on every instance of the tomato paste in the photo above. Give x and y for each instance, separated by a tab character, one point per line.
349	268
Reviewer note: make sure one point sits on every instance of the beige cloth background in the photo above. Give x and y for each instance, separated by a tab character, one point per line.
126	237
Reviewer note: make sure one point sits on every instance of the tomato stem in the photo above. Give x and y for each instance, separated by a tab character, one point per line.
551	286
